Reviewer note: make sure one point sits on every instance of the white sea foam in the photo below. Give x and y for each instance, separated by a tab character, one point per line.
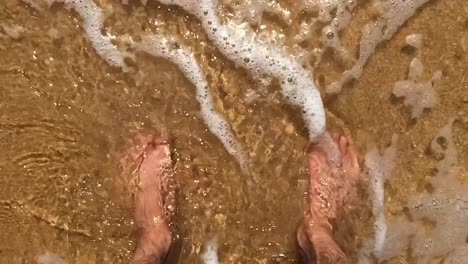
253	10
337	15
238	42
397	236
399	233
165	47
393	15
210	256
419	95
93	20
326	8
445	206
49	258
380	167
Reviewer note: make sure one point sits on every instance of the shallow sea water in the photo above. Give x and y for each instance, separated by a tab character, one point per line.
66	116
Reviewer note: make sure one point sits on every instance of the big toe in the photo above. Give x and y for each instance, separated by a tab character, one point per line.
349	158
318	161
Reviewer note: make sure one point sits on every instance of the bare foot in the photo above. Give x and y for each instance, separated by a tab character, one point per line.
331	191
153	204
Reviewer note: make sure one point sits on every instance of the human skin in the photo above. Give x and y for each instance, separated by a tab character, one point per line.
153	202
332	189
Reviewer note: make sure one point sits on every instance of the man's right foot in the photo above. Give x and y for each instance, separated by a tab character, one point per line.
331	190
149	183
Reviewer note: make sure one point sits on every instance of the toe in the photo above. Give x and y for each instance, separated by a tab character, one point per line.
157	155
354	160
349	158
344	145
328	252
336	138
318	157
318	164
314	163
351	163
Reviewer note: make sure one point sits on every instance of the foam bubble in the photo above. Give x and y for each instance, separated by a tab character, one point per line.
448	166
93	20
239	43
210	256
183	57
49	258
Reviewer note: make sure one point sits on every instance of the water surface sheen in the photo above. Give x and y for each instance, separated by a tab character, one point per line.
66	115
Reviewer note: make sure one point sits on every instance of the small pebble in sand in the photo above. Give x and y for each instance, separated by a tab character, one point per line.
14	31
221	219
289	129
54	33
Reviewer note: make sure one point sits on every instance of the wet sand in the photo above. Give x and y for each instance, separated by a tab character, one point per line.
65	117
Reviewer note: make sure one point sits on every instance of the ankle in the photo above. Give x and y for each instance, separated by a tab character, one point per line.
152	245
